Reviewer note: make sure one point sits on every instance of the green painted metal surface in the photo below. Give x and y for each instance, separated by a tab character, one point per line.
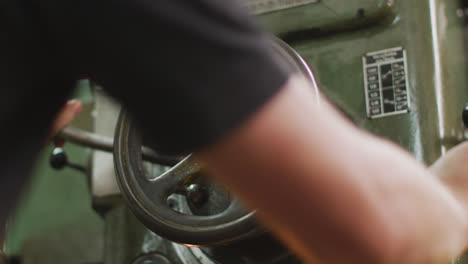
432	35
326	16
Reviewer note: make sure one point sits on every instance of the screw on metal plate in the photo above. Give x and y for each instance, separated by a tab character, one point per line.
361	13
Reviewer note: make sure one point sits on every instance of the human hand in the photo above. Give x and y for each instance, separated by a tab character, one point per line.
452	170
64	117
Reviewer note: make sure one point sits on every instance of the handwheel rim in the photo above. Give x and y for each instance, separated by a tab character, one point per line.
185	229
231	225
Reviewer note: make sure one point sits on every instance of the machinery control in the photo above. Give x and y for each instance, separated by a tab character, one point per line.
59	160
465	116
182	206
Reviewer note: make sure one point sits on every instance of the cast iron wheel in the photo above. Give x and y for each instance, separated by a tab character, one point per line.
148	197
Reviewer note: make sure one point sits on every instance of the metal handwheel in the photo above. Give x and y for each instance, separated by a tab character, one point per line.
148	197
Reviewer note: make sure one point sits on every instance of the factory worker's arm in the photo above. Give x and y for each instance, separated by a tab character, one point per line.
64	117
335	193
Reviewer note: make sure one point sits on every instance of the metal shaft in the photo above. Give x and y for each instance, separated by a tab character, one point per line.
104	143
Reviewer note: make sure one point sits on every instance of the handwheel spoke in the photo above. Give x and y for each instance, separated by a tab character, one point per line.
174	180
182	174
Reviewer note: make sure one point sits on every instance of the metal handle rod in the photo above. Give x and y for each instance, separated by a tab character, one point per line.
87	139
104	143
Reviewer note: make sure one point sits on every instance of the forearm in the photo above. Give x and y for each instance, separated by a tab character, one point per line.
335	192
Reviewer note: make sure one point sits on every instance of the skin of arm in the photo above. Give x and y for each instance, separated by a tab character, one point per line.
63	118
334	193
452	170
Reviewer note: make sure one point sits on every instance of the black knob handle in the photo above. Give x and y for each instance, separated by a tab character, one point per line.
58	159
465	115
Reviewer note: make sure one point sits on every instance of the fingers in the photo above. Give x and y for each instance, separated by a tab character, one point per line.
64	117
455	159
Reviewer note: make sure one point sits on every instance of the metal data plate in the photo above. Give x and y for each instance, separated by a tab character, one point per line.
386	83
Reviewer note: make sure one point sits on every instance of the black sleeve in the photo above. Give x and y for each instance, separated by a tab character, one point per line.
189	70
34	84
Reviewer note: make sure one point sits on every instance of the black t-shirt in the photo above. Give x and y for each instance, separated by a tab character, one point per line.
189	70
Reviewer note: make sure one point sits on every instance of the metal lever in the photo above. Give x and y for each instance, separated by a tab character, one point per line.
59	160
104	143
